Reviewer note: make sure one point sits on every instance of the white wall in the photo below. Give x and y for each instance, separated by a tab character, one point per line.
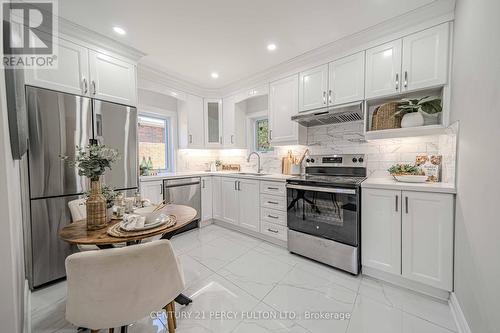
12	279
475	103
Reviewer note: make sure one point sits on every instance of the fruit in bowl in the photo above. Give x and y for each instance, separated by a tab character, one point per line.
407	173
150	214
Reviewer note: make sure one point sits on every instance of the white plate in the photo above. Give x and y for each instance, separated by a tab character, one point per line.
164	219
411	178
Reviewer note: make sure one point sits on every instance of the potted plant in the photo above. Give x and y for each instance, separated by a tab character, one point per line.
92	161
413	110
407	173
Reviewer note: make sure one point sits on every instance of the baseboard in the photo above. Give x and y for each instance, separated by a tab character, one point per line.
206	222
27	308
458	315
407	284
250	233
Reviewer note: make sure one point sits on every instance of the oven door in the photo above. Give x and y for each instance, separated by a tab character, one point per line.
326	212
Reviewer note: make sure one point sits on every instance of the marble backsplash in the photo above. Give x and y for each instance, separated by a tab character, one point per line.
336	139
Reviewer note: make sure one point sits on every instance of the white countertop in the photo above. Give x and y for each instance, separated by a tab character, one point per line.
172	175
392	184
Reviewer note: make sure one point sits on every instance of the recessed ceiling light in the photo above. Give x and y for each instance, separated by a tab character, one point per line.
271	47
119	30
214	75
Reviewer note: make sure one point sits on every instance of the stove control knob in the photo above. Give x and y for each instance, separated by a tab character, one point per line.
312	160
360	160
354	160
308	160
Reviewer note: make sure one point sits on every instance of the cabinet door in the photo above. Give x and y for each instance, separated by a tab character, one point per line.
230	200
383	70
283	104
427	230
347	79
71	75
213	122
381	230
190	122
112	79
152	190
249	202
206	198
425	58
234	124
313	86
217	197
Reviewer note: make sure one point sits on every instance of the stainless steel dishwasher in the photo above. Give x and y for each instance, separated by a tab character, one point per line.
184	191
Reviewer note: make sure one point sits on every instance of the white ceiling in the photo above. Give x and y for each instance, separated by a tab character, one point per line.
191	38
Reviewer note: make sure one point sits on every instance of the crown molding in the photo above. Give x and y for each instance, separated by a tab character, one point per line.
95	39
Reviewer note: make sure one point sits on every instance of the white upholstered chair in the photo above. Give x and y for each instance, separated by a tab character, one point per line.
116	287
78	211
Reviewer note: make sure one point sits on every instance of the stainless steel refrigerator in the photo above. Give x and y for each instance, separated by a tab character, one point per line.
57	123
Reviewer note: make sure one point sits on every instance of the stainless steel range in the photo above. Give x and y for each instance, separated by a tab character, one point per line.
324	210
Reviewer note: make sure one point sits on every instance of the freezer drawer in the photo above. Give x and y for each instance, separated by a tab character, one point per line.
48	251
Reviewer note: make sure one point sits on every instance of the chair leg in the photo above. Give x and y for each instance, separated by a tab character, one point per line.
94	331
173	313
111	330
170	317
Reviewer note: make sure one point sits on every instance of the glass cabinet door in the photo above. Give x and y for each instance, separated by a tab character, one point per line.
213	122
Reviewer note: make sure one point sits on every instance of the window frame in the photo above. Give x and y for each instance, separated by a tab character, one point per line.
255	132
169	148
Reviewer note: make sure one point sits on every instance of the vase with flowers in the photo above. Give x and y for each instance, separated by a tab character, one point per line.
92	161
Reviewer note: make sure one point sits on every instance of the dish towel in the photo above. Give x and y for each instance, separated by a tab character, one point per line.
132	222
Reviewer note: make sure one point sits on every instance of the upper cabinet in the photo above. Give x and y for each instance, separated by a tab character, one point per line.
234	123
190	122
313	86
383	70
86	72
71	75
112	79
418	61
283	104
425	58
213	123
347	79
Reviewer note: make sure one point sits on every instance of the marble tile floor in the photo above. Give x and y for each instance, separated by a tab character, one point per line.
241	284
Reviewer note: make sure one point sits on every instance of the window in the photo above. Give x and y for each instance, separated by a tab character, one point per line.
262	135
154	141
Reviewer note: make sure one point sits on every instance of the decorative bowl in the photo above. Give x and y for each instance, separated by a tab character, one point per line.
147	212
411	178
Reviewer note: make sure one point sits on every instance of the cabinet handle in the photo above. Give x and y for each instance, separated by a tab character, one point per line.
273	188
324	97
85	86
203	183
239	185
406	79
272	230
232	138
397	202
272	202
406	204
161	189
270	135
273	217
397	81
190	138
94	90
330	97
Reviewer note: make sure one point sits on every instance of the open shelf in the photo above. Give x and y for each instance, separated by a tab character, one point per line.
405	132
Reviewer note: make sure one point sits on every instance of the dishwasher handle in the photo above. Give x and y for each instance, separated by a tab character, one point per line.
183	184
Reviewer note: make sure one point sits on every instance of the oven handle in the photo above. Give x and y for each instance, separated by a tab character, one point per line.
322	189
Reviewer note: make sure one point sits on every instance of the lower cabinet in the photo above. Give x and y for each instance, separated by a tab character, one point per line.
217	198
152	190
230	200
248	198
410	234
206	198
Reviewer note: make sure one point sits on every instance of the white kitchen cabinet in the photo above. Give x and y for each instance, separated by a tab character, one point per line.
381	230
383	69
71	74
248	197
213	122
283	104
409	234
425	58
427	244
347	79
313	86
152	190
217	198
112	79
230	204
190	122
206	198
234	124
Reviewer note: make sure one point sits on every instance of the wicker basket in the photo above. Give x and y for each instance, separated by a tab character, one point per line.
384	117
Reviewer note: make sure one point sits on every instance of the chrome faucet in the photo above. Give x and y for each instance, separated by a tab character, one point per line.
259	169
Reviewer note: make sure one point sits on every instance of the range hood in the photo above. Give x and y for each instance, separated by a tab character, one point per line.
331	115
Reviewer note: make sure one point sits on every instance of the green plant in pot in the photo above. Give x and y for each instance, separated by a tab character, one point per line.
92	161
413	110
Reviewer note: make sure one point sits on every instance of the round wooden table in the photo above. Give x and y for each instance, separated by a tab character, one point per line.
77	233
